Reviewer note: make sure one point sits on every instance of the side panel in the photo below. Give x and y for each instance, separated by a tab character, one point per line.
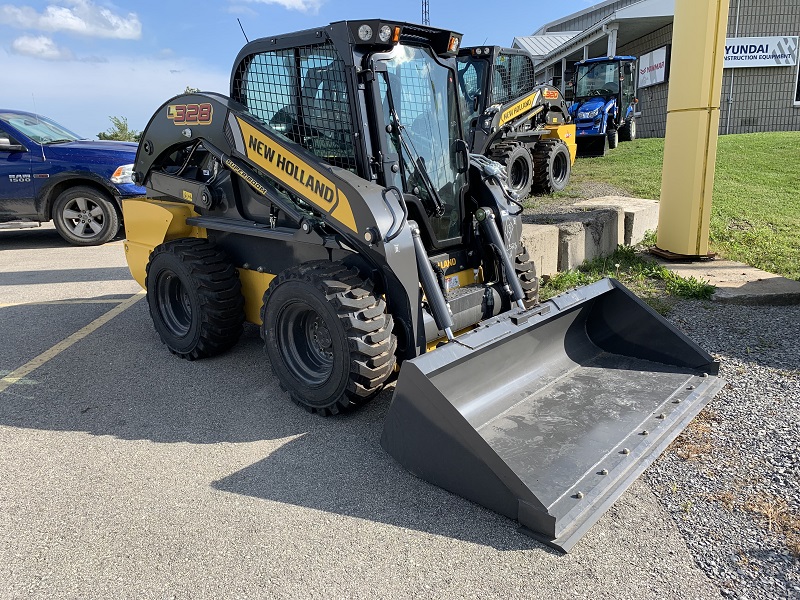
149	223
254	284
565	133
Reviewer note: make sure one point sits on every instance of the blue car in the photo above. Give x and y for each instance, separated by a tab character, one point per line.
49	173
604	106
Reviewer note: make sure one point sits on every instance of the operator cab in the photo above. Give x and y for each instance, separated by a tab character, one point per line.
609	78
375	97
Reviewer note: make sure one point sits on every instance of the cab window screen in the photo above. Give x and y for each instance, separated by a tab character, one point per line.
302	93
513	77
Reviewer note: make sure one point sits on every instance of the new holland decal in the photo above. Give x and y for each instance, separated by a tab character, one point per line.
297	175
519	108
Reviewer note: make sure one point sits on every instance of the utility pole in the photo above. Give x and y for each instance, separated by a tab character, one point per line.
426	12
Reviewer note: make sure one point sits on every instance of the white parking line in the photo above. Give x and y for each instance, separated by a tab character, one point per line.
33	364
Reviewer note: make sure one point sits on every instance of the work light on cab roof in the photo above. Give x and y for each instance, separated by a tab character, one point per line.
375	32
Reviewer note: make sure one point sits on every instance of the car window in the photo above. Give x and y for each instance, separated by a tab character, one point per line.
40	129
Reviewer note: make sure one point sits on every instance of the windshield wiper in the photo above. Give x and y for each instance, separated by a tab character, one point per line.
419	164
416	159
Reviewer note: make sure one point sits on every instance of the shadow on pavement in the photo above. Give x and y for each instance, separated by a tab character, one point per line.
102	274
122	382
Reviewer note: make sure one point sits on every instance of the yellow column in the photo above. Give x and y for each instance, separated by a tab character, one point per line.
690	147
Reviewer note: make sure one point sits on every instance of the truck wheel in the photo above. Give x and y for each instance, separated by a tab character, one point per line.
552	166
328	336
195	298
613	138
627	133
519	167
526	272
85	217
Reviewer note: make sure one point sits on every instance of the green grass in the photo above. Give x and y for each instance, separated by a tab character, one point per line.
755	214
655	284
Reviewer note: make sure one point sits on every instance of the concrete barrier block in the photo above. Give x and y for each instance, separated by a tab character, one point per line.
541	242
585	234
641	215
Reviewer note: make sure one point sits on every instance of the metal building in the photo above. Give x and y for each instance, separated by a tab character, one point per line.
761	87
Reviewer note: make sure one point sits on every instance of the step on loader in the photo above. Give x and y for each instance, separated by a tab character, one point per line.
508	118
331	200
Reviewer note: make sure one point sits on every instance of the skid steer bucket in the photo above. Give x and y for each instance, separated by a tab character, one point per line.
548	416
592	145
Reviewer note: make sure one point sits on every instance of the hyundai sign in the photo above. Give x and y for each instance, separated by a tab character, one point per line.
760	52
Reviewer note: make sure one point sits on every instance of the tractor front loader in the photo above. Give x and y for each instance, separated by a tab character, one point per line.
511	120
331	201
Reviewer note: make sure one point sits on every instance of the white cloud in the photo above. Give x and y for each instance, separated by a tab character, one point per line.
306	6
240	9
40	47
83	97
80	17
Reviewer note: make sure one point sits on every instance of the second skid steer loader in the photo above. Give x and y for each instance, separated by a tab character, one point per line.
331	201
515	122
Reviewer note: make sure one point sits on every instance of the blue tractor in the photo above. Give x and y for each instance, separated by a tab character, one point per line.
603	108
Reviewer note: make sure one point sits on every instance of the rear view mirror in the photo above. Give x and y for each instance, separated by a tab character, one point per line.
7	146
627	68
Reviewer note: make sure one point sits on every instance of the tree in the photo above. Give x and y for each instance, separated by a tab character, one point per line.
190	90
120	131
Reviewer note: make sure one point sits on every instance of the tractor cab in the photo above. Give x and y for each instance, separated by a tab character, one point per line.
604	105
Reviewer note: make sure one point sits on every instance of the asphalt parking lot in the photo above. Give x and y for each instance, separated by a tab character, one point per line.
126	472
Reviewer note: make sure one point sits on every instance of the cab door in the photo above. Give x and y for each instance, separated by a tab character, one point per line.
16	181
628	87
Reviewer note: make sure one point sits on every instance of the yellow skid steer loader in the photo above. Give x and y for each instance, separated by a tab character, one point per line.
331	200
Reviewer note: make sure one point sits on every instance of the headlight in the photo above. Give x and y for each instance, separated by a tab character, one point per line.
478	51
588	114
365	33
385	33
123	174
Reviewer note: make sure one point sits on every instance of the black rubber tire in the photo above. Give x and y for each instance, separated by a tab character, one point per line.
627	133
519	166
613	138
328	336
552	166
526	272
195	298
85	216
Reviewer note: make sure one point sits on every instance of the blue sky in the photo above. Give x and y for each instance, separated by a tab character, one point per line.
81	61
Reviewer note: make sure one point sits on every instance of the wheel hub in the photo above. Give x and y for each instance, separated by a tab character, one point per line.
306	343
321	336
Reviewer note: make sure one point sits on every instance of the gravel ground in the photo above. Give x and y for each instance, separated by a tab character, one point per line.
737	502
